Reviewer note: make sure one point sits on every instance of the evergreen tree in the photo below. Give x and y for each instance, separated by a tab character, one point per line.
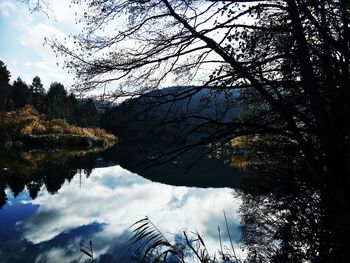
73	109
20	93
37	87
38	93
4	86
57	101
87	114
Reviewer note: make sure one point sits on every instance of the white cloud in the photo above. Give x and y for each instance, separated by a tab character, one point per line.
55	255
6	9
31	29
65	12
47	66
172	209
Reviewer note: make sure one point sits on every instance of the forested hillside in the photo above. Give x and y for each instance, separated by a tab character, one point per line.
32	116
55	101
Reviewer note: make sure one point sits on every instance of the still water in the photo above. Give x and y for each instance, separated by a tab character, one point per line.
55	201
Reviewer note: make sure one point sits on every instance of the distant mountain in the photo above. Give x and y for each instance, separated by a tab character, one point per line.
173	112
153	127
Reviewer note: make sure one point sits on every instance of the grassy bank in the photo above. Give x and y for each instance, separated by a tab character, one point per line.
26	126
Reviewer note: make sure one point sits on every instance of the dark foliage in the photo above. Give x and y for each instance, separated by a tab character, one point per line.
288	61
56	103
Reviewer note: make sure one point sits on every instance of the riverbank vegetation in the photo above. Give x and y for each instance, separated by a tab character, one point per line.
31	116
55	102
27	126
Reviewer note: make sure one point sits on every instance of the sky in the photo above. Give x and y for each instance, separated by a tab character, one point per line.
22	34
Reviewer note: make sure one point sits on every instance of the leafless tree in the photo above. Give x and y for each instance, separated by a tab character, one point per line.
288	60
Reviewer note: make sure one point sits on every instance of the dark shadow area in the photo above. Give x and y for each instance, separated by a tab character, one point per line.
207	172
288	219
288	215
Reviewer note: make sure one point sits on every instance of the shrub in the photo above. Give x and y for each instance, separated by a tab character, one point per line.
39	129
28	121
55	129
21	122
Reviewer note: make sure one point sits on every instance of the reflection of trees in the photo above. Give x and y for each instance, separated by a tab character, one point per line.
286	220
37	168
287	215
3	198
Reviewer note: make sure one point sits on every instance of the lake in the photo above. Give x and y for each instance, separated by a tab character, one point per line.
55	200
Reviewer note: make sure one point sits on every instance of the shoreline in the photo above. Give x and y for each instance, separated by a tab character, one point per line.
60	140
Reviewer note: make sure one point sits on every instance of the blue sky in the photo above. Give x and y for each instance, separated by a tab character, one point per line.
22	36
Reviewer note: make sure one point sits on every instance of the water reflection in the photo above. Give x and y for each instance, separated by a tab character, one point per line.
100	206
33	169
54	200
288	218
208	171
37	168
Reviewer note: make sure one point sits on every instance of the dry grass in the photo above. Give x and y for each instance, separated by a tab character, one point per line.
28	121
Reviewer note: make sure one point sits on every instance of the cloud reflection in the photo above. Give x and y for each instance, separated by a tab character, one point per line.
114	198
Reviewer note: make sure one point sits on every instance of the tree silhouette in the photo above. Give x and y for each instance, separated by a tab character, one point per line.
38	93
57	101
4	86
37	87
288	60
20	93
88	114
4	73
